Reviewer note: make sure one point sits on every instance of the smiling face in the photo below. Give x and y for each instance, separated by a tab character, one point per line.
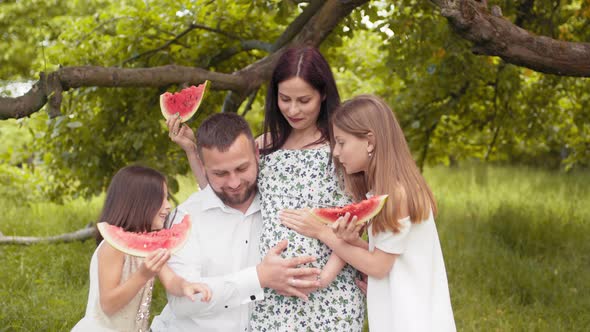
299	103
232	174
160	218
352	151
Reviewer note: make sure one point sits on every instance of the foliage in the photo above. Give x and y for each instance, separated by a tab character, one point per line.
514	241
453	105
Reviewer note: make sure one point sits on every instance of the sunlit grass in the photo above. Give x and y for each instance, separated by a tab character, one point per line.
515	243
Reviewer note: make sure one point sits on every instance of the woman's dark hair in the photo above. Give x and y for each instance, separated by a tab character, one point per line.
133	199
310	65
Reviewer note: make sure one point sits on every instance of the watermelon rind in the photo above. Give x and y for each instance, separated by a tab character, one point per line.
330	215
186	114
172	239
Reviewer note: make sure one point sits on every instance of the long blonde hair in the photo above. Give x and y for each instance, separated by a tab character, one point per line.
392	169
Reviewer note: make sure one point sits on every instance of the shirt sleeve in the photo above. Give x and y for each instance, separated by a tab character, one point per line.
394	243
227	291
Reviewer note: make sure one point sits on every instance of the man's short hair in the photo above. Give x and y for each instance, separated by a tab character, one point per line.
220	131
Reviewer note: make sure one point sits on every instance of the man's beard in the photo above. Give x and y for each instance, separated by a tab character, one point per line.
230	200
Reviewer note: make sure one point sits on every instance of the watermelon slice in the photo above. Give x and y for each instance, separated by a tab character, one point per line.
363	210
141	244
186	102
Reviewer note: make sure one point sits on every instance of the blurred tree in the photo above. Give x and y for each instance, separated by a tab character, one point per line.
453	105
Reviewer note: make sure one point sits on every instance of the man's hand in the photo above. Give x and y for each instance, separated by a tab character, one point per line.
284	275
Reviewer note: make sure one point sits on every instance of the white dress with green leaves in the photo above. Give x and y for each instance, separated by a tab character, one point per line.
297	179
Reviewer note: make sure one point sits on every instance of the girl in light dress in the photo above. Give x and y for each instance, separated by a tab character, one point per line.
407	282
121	285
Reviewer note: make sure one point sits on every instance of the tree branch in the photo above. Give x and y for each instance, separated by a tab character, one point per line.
87	76
79	235
496	36
168	43
242	83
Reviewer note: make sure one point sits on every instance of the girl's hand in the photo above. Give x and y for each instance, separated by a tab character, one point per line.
302	222
190	289
154	262
181	134
347	229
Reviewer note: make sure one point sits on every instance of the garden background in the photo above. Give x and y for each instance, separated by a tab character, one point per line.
501	134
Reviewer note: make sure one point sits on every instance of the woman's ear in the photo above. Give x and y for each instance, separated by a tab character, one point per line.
371	139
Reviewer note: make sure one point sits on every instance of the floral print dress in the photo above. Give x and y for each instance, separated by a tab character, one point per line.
298	179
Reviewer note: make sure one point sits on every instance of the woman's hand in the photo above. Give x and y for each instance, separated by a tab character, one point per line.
302	222
347	229
190	289
154	262
181	134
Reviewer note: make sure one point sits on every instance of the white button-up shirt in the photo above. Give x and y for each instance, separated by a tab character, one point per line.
222	251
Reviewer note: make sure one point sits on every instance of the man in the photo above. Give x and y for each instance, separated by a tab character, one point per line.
222	250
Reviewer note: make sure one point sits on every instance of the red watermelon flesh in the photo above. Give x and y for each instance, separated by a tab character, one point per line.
364	210
185	102
141	244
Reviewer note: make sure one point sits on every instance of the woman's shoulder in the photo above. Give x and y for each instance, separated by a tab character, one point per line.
260	141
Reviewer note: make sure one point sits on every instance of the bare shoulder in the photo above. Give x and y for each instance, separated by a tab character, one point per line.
108	253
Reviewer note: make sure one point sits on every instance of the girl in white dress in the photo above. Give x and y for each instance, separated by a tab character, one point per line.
121	285
407	282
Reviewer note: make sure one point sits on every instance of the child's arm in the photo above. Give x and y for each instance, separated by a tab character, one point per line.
376	264
115	295
182	135
177	286
331	270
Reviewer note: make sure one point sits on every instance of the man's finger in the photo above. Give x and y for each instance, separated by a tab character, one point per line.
292	291
302	283
295	261
304	271
279	248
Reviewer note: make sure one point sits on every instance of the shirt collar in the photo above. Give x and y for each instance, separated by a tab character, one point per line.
212	201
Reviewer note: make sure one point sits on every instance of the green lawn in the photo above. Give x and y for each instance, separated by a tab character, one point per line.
515	241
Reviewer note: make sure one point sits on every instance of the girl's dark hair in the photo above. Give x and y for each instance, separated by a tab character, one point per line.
133	199
310	65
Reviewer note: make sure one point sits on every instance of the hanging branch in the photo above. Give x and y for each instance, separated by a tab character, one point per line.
492	34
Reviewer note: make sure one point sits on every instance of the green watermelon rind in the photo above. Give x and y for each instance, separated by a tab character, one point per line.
166	113
330	215
112	235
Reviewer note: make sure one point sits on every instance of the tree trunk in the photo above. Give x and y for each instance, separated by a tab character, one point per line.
79	235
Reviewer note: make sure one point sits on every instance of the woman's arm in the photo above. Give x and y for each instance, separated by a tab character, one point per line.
178	286
183	136
115	295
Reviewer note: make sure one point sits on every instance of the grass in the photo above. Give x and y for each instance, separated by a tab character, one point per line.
514	240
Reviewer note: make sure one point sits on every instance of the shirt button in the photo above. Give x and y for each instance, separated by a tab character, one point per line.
252	297
225	307
246	241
